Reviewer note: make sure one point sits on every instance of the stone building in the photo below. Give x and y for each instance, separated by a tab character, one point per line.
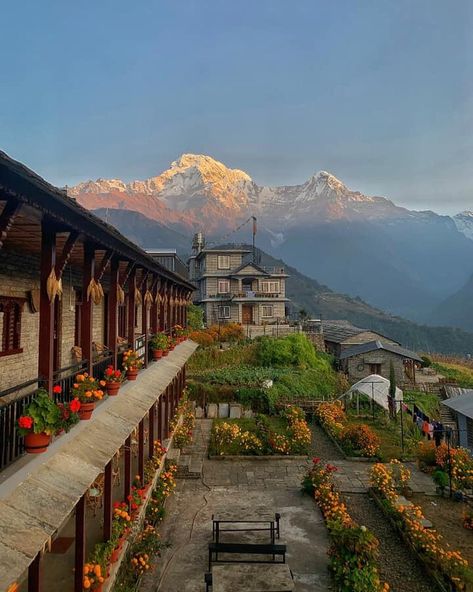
376	357
340	334
231	287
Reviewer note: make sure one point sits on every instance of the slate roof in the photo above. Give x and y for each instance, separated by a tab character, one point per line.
364	348
249	264
340	331
462	404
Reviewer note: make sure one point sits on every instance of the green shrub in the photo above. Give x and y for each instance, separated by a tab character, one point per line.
293	350
426	361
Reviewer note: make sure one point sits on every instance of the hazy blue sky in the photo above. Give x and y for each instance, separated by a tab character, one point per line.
378	92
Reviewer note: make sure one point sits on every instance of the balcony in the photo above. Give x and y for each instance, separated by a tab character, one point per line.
246	295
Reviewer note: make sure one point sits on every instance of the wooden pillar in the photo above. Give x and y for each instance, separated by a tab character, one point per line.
46	308
131	308
154	310
166	413
144	319
113	309
87	315
80	545
160	419
127	476
151	426
162	306
34	575
141	450
107	501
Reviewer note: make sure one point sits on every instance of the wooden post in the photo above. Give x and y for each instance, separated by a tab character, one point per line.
144	318
34	575
141	450
80	545
160	418
127	477
154	310
87	314
151	426
113	309
107	502
131	308
162	311
46	308
166	413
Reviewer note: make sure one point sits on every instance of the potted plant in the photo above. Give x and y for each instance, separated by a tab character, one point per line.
69	415
179	333
120	528
131	363
41	419
159	343
113	379
87	390
441	481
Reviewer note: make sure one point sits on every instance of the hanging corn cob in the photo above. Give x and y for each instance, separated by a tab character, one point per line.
95	291
138	297
148	299
120	295
53	286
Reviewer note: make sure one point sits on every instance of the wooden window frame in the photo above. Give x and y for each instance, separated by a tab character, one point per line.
226	282
222	308
266	316
9	302
220	264
266	286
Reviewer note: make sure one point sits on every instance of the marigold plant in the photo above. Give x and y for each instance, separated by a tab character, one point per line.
87	388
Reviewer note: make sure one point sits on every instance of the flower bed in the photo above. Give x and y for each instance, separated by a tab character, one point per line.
354	439
285	434
449	566
353	550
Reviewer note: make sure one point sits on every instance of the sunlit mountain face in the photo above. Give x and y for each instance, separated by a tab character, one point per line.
404	261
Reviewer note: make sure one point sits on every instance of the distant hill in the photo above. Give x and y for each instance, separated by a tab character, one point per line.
456	310
307	293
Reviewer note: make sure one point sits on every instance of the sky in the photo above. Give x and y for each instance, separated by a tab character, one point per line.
378	92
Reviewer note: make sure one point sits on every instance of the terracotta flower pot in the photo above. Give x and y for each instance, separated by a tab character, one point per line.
132	373
165	352
171	347
113	388
157	353
36	443
115	554
86	409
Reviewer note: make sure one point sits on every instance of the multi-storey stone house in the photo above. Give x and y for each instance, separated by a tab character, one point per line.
231	287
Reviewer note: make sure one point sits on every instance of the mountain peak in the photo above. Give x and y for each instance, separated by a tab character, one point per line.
208	167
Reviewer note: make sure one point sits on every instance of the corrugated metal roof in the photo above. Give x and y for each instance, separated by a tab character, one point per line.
462	404
364	348
37	500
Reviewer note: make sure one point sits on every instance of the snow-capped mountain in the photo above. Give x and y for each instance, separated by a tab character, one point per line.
401	260
194	183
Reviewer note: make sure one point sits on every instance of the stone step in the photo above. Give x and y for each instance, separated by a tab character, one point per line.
426	523
402	501
173	457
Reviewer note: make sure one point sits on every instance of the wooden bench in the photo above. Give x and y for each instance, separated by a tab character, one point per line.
246	549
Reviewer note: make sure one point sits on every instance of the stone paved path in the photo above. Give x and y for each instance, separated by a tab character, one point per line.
239	485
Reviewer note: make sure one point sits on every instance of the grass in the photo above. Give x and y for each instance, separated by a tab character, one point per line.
455	372
389	433
213	357
429	403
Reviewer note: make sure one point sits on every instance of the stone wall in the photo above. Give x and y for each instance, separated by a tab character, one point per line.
358	366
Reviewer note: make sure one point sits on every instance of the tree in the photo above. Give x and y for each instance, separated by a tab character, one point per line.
195	317
303	314
392	381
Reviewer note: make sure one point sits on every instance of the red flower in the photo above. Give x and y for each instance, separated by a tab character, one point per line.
109	371
118	373
316	460
57	389
331	468
74	405
25	422
116	504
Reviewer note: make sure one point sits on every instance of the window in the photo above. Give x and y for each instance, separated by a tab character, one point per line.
270	287
375	368
223	312
223	286
223	262
10	315
266	311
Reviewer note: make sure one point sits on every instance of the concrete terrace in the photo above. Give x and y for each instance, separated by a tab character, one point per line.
239	486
